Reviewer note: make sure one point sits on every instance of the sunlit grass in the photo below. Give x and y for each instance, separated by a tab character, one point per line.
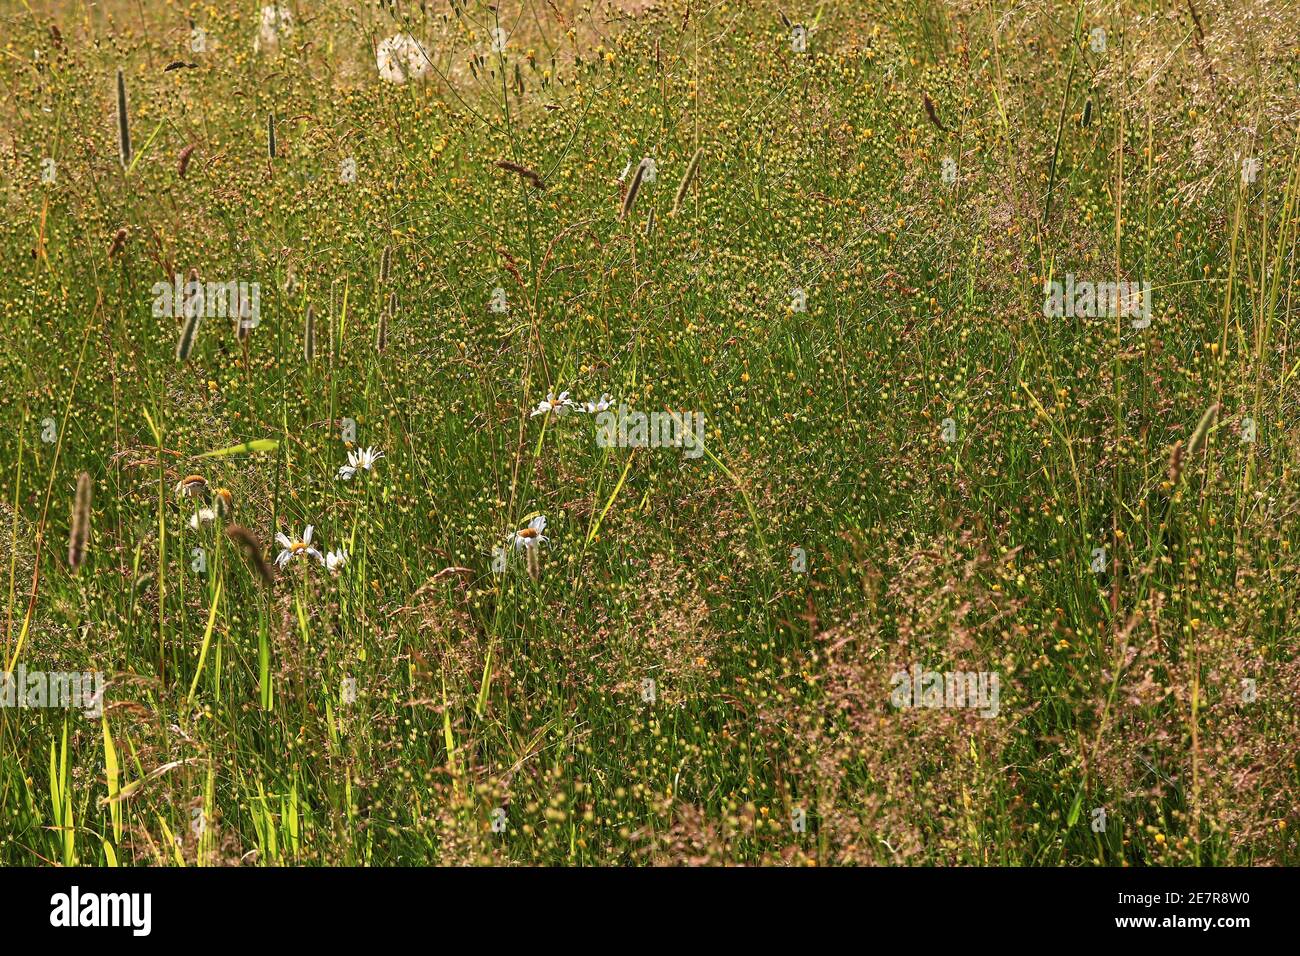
904	460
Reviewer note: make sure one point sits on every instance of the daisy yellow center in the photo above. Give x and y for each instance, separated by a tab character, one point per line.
528	533
297	547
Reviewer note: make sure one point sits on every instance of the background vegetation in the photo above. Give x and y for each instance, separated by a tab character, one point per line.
229	735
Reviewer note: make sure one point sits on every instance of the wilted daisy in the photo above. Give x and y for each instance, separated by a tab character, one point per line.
193	486
552	404
591	408
531	536
401	57
363	460
334	560
224	500
296	547
276	25
203	516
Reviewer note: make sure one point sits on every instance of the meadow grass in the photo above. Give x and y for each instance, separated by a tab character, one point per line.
828	229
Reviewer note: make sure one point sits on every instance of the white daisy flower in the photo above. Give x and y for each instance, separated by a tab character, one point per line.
363	460
401	57
591	408
334	560
276	25
531	536
202	516
296	547
552	404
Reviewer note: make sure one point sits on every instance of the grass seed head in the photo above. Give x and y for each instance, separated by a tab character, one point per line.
79	533
309	335
123	123
252	550
630	199
687	179
189	333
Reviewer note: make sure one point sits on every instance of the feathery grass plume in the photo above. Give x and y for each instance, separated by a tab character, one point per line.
385	264
270	134
309	335
123	123
189	333
932	112
79	532
1087	114
687	179
532	175
183	163
252	550
118	244
381	334
630	199
650	224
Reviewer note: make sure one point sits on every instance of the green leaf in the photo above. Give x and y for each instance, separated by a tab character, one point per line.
258	444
